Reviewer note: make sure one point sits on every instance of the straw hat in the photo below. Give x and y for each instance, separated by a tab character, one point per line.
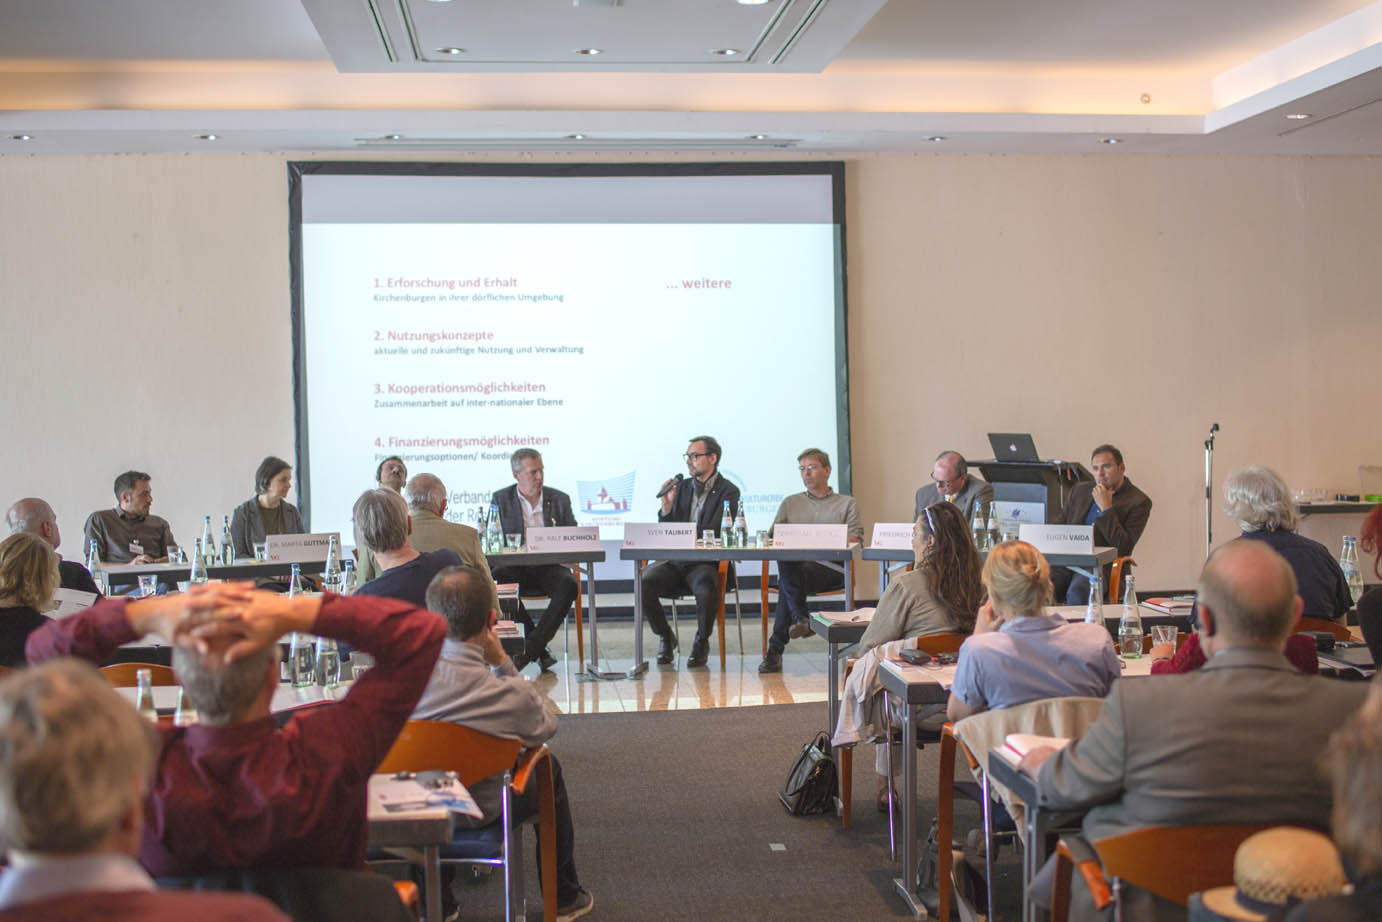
1273	870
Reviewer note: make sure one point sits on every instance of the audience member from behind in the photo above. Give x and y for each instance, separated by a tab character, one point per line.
28	576
1354	763
129	533
236	790
1019	651
267	512
942	594
381	520
1257	499
1237	741
38	518
475	684
1370	604
75	766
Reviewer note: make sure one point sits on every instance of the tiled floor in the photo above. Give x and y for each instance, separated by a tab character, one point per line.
662	688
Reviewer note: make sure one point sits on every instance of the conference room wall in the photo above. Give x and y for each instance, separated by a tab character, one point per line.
1083	298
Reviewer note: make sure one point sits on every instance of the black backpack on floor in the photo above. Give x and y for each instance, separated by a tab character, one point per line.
811	783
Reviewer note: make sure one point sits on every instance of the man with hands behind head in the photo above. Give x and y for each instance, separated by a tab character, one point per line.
235	790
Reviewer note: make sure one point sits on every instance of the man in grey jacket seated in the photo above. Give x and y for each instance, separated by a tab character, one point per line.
475	684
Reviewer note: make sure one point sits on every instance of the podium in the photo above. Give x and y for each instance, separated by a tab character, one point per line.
1048	482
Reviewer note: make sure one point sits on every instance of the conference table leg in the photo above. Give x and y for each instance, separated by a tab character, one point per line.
906	884
640	665
431	862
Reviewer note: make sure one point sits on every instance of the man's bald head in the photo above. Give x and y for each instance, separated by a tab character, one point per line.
1250	592
35	516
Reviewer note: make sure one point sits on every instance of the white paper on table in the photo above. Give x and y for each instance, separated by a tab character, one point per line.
401	795
857	616
674	535
70	601
506	590
893	536
1059	539
571	538
309	548
809	537
1017	745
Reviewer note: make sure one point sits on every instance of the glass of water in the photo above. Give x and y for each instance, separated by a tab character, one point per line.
148	584
1165	633
174	553
514	541
261	551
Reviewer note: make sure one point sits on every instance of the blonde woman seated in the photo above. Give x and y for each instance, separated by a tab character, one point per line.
28	577
940	596
1019	653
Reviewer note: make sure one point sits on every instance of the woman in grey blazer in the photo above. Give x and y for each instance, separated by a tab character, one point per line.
267	512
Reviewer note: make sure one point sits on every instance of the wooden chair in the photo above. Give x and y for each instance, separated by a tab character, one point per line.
929	643
1170	862
576	608
427	745
125	675
1324	626
722	587
765	589
1115	578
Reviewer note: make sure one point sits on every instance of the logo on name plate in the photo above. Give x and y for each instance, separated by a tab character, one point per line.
606	497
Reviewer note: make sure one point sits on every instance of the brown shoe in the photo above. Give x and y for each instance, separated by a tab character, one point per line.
882	794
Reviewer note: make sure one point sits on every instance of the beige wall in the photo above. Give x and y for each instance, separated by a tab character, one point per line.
1122	298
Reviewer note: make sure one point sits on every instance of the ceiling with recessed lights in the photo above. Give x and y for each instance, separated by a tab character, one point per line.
811	76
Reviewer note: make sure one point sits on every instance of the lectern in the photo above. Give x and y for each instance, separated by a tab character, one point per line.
1048	482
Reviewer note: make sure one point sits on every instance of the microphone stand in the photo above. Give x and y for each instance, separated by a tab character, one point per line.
1209	490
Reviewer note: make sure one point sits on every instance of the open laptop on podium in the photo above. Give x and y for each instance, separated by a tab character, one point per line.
1013	447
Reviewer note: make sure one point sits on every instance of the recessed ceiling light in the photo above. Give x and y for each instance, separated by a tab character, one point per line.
1110	140
1298	115
937	137
21	137
756	137
450	49
208	137
724	52
589	51
575	137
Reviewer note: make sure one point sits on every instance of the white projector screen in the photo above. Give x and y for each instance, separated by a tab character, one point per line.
604	315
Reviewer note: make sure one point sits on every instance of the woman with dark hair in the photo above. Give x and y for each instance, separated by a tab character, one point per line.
28	577
267	512
1370	603
942	594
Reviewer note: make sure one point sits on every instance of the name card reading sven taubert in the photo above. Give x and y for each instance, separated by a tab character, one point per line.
573	538
1059	539
680	535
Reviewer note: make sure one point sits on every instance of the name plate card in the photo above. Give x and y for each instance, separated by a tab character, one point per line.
807	537
895	536
1020	514
300	548
575	538
678	535
1059	539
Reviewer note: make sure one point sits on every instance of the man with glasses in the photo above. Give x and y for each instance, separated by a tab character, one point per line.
699	498
951	481
797	579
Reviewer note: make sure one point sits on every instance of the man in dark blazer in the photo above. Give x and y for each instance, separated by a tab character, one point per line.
1117	510
699	498
950	477
1236	741
526	503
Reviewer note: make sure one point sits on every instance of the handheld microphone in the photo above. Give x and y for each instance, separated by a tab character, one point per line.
671	485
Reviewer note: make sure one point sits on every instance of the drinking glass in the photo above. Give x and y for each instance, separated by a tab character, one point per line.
148	584
514	542
1165	633
261	551
174	554
763	539
708	539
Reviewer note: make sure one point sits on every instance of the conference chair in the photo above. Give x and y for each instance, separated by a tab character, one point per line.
576	609
722	588
929	643
125	675
312	894
1169	862
765	589
427	745
1324	626
1115	578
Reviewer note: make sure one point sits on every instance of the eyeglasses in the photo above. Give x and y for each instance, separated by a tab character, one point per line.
693	455
810	467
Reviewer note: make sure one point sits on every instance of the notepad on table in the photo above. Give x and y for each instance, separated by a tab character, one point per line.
857	616
423	790
1017	745
1173	605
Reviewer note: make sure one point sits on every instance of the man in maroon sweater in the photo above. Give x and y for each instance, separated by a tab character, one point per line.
75	760
236	790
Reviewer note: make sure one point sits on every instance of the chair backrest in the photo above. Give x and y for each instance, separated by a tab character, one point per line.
941	643
427	745
1064	717
1174	862
125	675
308	894
1322	625
1115	578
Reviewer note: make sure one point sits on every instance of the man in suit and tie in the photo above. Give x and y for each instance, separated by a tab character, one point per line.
699	498
1236	741
951	480
528	503
1117	510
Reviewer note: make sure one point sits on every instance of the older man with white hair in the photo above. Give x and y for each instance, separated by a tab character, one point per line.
75	765
36	517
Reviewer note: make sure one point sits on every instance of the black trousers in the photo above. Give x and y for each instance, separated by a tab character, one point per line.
554	581
668	579
797	579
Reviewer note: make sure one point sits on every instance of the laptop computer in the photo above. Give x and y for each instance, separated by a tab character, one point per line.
1013	446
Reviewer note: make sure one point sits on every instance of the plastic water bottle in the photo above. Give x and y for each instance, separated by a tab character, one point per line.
1130	625
979	528
494	532
295	581
144	695
97	569
328	673
186	714
348	577
332	574
741	527
1094	611
727	527
1348	562
227	543
301	660
208	548
198	574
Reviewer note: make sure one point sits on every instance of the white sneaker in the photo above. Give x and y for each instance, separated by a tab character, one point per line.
578	907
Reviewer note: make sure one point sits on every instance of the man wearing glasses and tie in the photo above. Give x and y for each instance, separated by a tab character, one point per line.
951	481
699	498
